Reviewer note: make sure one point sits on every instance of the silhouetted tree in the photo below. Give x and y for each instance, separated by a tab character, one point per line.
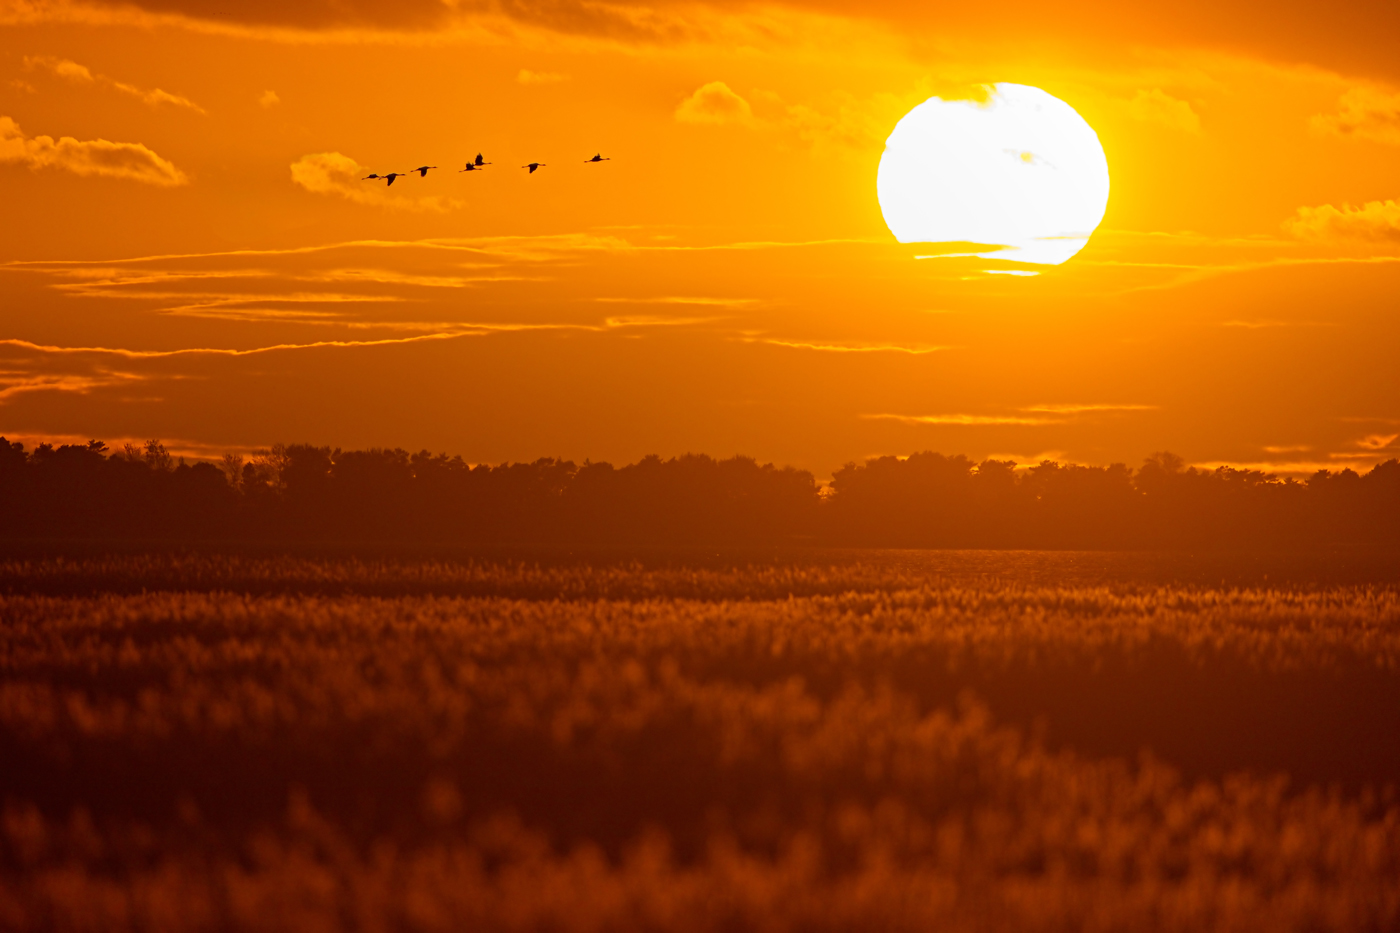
309	493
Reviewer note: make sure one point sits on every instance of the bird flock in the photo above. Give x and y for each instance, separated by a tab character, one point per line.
475	165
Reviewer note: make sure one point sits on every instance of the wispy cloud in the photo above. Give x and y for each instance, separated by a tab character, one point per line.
409	22
1058	413
528	77
80	74
644	320
245	307
99	157
716	104
391	277
1077	408
1157	106
217	351
336	174
262	286
964	419
1266	323
1373	222
683	300
1364	112
12	384
846	347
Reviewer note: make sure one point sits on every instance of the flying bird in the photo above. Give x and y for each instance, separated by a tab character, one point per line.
391	176
368	177
532	166
473	167
422	170
479	163
599	158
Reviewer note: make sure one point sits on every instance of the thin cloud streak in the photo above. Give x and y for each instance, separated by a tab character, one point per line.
80	74
963	419
1075	409
1205	272
1267	324
536	247
218	351
80	385
845	348
682	300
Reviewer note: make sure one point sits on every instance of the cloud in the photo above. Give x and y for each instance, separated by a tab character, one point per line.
1029	415
847	348
13	383
267	287
683	300
714	103
1367	112
1157	106
354	21
1083	408
99	157
526	76
964	419
1264	323
74	72
284	14
122	353
340	175
80	74
269	99
648	320
1377	441
1374	222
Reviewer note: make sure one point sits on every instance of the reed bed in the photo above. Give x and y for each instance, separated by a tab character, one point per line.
721	742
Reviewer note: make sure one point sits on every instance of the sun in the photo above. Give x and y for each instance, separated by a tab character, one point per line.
1019	171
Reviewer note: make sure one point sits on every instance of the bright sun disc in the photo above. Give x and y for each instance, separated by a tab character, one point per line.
1020	170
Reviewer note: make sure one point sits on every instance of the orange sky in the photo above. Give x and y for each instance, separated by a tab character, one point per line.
188	252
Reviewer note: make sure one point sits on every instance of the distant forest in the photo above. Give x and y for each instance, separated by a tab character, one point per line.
303	493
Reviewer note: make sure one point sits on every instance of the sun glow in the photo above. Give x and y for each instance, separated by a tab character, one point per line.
1021	172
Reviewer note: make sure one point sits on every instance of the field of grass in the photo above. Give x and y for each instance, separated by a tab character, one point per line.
697	741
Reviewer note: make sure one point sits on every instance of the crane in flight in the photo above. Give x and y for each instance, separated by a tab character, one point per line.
386	178
479	162
532	166
422	170
473	167
598	158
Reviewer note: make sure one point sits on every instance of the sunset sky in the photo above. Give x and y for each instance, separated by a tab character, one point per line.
188	252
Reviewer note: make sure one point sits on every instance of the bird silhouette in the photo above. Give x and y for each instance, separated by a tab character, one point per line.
479	162
599	158
532	166
369	177
473	167
422	170
391	176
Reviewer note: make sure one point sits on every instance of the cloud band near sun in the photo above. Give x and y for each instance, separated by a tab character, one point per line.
1375	222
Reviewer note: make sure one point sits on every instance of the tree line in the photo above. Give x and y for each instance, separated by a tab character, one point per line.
301	492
